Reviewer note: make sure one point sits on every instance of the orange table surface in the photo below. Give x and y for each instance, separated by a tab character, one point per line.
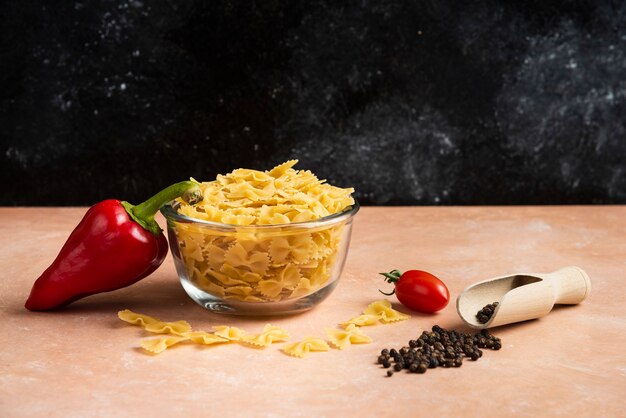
82	361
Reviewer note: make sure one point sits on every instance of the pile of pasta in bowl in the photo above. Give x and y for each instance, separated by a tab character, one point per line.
262	241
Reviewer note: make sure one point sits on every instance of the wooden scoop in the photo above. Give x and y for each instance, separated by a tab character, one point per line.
522	296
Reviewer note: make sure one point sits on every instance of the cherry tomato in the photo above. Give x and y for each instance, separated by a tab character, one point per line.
418	290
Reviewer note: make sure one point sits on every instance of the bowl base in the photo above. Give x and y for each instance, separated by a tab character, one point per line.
235	307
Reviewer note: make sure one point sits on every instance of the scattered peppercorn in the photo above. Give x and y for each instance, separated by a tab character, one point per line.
484	315
438	348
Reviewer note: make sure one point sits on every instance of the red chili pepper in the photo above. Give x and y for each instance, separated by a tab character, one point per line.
115	245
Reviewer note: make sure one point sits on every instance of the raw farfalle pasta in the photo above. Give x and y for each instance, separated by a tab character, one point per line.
176	328
383	309
203	337
255	265
363	320
158	345
135	318
154	325
278	196
342	338
269	335
307	345
180	331
229	333
376	313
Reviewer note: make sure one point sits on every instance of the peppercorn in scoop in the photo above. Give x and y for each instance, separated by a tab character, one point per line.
438	348
484	315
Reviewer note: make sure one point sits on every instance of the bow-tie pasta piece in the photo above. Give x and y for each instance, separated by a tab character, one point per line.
229	333
249	298
240	291
154	325
239	274
176	328
204	282
289	276
270	288
304	287
385	312
320	275
238	256
203	337
270	217
296	249
135	318
269	335
215	256
282	169
304	347
342	338
238	219
250	189
362	320
158	345
196	213
224	280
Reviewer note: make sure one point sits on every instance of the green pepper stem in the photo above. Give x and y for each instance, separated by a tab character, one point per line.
143	213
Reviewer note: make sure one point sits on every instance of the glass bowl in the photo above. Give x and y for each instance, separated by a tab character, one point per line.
259	269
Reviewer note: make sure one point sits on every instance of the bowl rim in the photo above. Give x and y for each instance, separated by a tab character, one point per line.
171	214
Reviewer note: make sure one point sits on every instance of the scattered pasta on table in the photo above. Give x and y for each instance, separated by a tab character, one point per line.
379	312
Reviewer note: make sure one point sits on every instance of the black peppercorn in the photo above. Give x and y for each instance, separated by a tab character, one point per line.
439	348
484	315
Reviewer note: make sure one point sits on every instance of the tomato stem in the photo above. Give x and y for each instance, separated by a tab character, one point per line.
392	277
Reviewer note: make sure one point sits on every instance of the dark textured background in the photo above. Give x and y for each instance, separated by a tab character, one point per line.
411	102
